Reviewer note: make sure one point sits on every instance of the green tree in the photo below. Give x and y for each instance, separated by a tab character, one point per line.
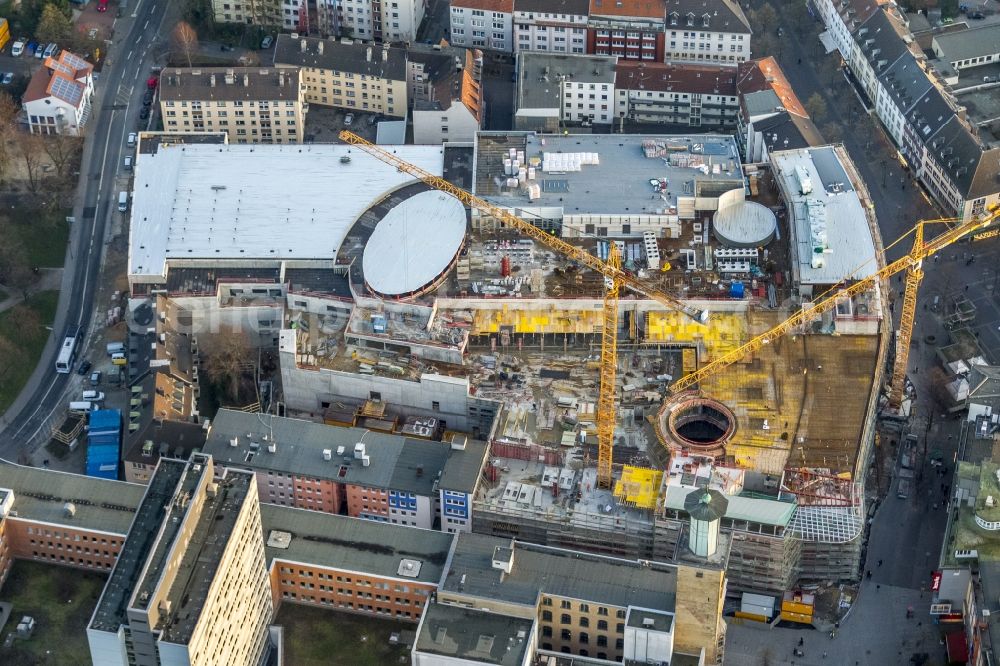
53	26
816	108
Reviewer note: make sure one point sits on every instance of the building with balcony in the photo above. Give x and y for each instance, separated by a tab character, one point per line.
702	96
629	29
58	97
347	75
250	104
483	24
374	20
284	13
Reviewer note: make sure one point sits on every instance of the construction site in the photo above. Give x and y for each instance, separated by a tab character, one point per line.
519	324
625	319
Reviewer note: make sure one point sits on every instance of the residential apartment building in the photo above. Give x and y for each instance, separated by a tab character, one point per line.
360	77
451	106
628	29
191	584
484	24
58	97
361	473
285	13
250	104
375	20
556	26
955	160
706	32
553	89
770	116
691	95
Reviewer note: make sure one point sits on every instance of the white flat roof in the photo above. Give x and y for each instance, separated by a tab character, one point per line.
249	202
414	243
851	249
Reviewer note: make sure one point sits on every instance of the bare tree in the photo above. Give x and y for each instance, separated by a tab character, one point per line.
62	149
816	108
185	39
227	361
31	151
8	127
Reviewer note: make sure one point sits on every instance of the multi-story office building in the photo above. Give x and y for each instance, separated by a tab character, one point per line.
204	567
250	104
190	586
715	32
361	77
363	473
483	24
556	26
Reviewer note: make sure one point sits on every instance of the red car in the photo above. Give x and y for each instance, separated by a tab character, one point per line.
102	5
151	82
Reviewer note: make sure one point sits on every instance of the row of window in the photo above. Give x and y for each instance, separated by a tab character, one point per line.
197	104
583	638
350	605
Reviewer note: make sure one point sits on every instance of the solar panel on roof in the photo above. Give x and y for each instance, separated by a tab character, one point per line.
66	89
61	67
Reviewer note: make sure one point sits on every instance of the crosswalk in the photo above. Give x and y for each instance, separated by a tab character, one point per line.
123	94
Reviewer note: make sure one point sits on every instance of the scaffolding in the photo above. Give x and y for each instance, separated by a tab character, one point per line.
638	487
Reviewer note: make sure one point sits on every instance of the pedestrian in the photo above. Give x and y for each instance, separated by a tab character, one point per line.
878	587
880	562
824	655
801	641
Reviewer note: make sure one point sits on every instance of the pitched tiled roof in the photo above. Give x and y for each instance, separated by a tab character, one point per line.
723	15
60	78
766	74
505	6
696	79
639	8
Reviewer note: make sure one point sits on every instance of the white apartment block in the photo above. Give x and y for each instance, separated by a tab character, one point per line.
555	26
484	24
359	77
554	89
706	32
250	104
258	12
378	20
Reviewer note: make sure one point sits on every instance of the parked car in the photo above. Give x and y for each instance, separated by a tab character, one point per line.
152	82
977	16
266	42
372	120
144	113
95	378
102	5
8	78
32	47
147	97
51	50
348	119
40	51
84	367
132	138
128	162
93	396
17	49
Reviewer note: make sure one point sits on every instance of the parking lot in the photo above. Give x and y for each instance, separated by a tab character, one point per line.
323	124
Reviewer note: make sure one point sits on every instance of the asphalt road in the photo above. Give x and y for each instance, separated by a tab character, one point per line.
116	107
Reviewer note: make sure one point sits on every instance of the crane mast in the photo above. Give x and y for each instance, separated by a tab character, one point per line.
911	263
607	398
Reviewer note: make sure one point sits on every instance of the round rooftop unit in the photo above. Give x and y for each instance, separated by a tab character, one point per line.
745	224
414	245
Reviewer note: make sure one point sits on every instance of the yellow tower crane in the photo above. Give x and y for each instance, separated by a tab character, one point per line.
912	263
611	269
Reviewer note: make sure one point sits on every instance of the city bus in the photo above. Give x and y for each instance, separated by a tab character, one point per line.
67	353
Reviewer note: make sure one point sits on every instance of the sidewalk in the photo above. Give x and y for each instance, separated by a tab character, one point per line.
50	279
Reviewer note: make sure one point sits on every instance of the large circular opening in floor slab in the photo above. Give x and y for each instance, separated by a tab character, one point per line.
701	423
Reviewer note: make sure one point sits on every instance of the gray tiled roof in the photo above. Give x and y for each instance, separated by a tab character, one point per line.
573	574
880	41
570	7
976	172
359	58
229	83
905	81
726	15
355	544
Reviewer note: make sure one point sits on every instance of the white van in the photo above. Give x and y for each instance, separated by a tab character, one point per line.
17	49
93	396
115	348
80	406
123	201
